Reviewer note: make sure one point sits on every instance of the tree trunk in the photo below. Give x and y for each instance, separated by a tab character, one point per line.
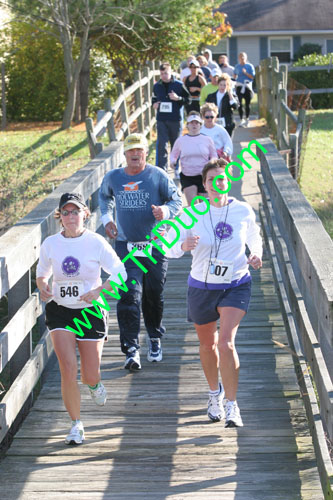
69	110
77	115
84	86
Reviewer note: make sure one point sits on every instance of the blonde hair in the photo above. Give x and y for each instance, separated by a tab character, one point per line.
203	60
209	106
196	113
225	78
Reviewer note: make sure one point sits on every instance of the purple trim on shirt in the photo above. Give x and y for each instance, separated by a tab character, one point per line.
215	286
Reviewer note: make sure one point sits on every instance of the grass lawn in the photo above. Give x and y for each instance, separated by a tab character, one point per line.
33	162
316	180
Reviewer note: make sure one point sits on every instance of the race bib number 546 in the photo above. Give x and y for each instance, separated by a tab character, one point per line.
68	293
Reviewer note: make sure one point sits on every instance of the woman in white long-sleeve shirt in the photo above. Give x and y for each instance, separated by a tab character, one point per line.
217	233
75	257
220	136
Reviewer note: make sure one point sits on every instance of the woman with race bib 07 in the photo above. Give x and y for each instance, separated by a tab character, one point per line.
75	257
219	284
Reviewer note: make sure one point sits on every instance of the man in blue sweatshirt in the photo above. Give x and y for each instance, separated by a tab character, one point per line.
169	96
143	195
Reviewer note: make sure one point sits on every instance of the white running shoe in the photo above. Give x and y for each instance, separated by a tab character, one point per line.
247	121
154	350
76	435
132	361
232	414
215	407
242	123
98	395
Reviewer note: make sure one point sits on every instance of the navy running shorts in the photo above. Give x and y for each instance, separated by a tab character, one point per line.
202	304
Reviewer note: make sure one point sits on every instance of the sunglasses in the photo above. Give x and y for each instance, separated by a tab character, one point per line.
209	117
65	213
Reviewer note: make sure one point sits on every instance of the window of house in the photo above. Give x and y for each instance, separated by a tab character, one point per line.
329	46
281	48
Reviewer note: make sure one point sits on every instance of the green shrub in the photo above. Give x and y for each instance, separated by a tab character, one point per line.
307	49
320	79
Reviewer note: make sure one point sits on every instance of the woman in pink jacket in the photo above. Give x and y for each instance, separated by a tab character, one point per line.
194	150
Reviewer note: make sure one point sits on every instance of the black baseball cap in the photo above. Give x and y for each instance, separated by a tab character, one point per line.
75	198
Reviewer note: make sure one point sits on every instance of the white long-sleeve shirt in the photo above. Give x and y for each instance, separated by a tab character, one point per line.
233	231
220	137
77	260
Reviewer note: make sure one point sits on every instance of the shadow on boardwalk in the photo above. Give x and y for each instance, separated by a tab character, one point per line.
153	439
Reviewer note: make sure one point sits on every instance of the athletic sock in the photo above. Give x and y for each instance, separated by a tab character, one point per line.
93	387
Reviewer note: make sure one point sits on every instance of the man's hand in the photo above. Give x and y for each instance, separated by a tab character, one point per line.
111	230
244	71
190	243
156	105
159	212
173	96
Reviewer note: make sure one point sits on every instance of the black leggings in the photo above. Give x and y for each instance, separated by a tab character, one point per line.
247	97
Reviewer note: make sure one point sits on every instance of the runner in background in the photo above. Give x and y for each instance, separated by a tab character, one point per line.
244	75
194	150
219	283
143	195
169	96
220	136
194	83
75	257
226	102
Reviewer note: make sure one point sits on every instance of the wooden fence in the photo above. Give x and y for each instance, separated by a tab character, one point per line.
328	67
273	105
302	271
132	111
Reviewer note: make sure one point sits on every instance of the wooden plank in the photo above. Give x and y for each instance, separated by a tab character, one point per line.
312	348
19	391
310	68
313	413
16	330
312	91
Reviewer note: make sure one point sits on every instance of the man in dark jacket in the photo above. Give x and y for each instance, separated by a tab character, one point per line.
169	96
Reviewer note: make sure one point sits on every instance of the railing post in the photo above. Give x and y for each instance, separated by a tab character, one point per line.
293	140
123	109
17	295
147	98
283	123
110	125
94	147
138	101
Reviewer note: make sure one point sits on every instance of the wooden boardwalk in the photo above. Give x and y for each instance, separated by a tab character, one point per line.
153	439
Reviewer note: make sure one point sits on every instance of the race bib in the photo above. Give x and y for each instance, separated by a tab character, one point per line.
165	107
140	246
67	293
220	121
217	271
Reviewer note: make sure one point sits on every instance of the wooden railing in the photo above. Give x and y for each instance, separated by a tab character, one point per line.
273	105
327	67
302	256
117	120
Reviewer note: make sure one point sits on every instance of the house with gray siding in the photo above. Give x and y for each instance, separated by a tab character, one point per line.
265	28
